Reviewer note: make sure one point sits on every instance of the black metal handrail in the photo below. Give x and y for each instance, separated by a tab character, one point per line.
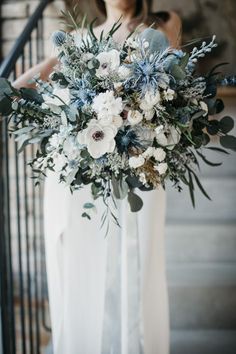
22	314
10	61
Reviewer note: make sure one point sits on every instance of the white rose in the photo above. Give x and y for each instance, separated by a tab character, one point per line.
161	168
136	161
134	117
108	62
117	121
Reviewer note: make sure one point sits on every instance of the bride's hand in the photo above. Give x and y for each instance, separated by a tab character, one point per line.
44	69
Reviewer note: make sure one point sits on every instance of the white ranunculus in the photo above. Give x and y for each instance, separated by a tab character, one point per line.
159	154
99	139
150	100
117	121
134	117
204	107
136	161
169	94
107	105
108	63
161	168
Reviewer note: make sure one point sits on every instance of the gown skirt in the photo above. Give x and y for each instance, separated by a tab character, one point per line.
107	294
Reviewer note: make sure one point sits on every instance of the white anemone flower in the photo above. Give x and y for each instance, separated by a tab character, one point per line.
108	63
99	139
106	105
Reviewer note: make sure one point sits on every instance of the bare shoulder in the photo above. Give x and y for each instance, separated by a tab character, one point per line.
172	26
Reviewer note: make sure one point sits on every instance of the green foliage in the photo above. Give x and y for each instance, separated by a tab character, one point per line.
135	202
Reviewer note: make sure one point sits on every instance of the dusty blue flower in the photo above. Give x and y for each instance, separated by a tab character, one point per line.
58	38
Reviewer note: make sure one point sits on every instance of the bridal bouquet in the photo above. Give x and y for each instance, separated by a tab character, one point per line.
120	117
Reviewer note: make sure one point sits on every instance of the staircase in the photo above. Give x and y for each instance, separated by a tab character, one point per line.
201	260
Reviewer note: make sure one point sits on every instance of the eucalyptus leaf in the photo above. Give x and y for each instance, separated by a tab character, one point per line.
226	124
5	106
157	40
89	206
135	202
184	61
177	72
219	106
133	182
213	127
31	94
23	130
6	88
86	215
228	142
120	188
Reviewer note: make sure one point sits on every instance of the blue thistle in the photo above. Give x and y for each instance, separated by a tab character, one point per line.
126	139
81	93
58	38
148	73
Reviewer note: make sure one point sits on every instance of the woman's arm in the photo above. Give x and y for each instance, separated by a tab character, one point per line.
44	68
173	29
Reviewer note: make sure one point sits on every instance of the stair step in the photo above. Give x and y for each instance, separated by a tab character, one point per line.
202	295
228	167
203	342
201	243
222	208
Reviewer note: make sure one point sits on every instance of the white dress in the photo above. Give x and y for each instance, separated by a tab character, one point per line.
107	295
